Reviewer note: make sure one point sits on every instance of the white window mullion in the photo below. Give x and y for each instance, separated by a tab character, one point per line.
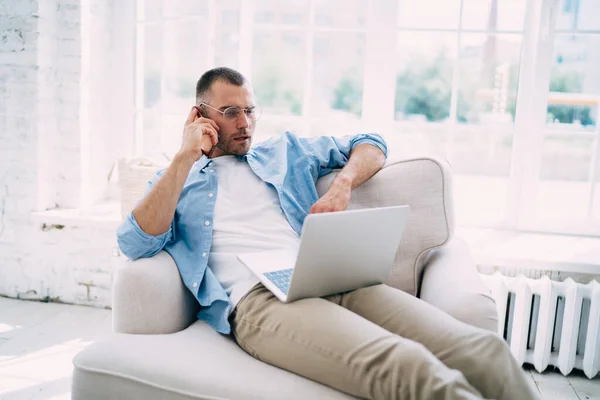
379	84
246	36
595	164
534	75
138	142
212	33
455	87
166	60
123	109
456	69
308	74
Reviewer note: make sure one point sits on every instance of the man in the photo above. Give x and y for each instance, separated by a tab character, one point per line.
220	197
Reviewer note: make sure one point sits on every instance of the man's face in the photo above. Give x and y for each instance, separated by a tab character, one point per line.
235	135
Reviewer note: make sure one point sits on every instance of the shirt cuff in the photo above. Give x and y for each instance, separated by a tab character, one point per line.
373	142
135	243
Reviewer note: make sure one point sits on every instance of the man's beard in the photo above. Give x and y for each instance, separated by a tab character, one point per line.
231	147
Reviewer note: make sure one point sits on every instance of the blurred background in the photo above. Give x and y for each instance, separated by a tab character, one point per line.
507	91
94	94
436	78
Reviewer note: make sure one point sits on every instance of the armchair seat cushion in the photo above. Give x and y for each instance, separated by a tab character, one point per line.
196	363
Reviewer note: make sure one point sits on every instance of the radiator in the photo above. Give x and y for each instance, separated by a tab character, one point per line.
547	322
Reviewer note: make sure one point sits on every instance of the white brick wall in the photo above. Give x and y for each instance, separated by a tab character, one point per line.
44	77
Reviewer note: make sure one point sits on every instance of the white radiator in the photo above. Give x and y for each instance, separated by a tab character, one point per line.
548	322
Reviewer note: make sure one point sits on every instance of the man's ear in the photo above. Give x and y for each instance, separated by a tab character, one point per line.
202	111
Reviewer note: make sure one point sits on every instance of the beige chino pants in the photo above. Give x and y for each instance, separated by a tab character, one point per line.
379	343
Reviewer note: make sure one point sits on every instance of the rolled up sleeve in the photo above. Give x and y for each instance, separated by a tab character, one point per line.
330	152
370	138
135	243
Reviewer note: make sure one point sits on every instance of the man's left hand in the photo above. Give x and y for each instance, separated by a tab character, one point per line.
337	198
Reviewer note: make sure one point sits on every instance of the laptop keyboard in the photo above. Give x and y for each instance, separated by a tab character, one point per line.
281	278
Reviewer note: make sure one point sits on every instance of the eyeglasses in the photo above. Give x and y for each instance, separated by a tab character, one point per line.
232	113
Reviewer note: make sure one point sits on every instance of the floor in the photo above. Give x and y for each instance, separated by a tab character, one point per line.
39	340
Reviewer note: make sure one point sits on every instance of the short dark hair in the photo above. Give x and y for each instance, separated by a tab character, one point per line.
216	74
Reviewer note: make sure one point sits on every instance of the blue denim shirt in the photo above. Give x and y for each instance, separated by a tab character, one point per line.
288	163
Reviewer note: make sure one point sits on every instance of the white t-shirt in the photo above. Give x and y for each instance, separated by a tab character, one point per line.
247	218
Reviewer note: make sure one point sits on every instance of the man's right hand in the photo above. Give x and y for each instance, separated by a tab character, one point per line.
195	129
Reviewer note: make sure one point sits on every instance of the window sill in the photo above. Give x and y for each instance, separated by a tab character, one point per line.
536	251
105	215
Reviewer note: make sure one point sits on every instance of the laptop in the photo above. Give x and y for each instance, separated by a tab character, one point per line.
339	252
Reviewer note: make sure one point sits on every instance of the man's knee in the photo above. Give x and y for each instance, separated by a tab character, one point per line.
412	359
495	345
488	360
424	376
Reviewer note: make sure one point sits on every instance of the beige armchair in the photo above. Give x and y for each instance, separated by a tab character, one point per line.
160	351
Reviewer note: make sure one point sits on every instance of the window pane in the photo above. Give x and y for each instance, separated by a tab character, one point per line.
171	131
185	8
337	75
489	71
480	200
228	31
564	187
278	66
494	14
575	83
341	13
161	132
289	12
578	14
428	14
480	155
480	158
183	63
424	80
152	61
480	149
151	128
153	9
272	125
337	127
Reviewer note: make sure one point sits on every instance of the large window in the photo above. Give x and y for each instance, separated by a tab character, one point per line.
456	84
506	90
560	188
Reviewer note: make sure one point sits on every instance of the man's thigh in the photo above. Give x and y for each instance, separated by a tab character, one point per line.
320	340
409	317
312	337
480	355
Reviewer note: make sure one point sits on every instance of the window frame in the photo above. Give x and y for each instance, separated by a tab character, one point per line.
379	77
530	123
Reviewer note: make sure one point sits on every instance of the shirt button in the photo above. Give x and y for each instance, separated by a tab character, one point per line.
203	254
207	223
210	194
212	170
195	284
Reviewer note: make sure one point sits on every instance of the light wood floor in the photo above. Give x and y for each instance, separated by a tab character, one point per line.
39	340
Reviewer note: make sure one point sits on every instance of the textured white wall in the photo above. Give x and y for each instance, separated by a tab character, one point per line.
55	101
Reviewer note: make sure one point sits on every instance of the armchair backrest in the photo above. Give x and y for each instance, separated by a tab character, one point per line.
425	184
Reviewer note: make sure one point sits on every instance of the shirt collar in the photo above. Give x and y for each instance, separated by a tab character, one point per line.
204	161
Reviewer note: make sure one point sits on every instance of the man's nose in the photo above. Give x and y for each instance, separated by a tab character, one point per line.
243	120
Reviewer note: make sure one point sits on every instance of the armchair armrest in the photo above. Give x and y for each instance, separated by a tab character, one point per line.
451	283
149	297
